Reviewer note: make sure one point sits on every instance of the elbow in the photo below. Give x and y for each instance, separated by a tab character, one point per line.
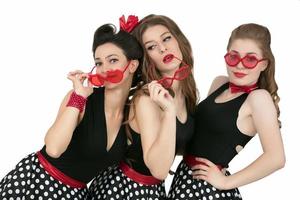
281	163
159	174
51	148
158	171
278	162
53	152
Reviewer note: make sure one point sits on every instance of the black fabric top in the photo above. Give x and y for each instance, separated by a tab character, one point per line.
134	155
86	154
216	133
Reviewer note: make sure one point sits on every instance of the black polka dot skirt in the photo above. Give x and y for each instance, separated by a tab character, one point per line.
113	184
185	187
29	180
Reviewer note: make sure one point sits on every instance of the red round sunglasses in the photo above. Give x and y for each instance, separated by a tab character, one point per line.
248	61
180	74
112	76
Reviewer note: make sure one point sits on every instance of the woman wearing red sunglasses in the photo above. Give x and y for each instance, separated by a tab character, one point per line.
88	134
237	108
159	124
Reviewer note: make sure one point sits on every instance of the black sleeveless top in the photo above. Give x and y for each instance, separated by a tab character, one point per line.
134	155
216	133
86	154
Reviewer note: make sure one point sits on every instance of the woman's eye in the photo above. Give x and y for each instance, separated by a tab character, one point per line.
98	64
151	47
167	38
113	60
234	57
251	58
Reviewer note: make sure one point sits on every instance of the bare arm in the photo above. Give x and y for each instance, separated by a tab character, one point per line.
273	158
264	117
60	133
158	134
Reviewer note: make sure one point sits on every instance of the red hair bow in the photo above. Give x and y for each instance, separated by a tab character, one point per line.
128	26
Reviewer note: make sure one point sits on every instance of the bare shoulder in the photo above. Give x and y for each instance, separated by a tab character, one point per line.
260	97
217	82
147	115
145	104
260	100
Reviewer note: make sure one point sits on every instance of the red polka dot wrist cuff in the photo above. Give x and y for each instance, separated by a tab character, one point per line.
77	101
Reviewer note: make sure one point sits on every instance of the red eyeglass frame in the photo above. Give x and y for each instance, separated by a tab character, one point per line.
167	82
242	60
112	76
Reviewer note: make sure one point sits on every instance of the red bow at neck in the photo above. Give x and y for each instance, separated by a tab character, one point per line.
242	88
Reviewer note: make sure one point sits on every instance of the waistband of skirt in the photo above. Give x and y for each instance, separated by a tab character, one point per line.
138	177
191	161
58	175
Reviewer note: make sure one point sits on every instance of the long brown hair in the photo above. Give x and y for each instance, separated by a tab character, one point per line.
152	73
262	37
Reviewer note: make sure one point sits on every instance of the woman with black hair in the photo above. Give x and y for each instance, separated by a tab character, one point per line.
88	134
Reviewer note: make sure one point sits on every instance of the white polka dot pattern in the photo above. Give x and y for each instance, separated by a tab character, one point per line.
30	181
185	187
112	184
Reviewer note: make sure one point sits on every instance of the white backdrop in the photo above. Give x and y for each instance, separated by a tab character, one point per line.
41	41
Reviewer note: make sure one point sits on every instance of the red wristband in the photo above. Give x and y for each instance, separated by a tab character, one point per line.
77	101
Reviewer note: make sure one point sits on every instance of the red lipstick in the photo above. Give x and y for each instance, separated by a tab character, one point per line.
239	75
168	58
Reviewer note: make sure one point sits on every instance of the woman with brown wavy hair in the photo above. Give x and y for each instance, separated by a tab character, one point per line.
237	108
160	119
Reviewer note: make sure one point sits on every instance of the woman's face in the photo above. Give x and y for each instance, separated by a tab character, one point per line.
109	57
160	44
239	74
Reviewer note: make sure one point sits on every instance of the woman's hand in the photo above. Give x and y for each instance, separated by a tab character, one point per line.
161	97
78	77
210	173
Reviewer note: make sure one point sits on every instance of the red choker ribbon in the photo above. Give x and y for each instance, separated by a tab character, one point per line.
242	88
